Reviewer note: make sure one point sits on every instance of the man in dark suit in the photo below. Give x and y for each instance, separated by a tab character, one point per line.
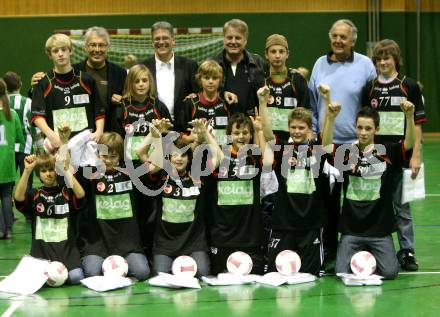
174	75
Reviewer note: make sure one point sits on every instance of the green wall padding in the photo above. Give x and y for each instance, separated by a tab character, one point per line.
23	40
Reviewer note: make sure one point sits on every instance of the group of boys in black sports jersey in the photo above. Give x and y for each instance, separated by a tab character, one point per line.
231	205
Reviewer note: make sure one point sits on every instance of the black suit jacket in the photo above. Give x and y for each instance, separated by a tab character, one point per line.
115	85
184	79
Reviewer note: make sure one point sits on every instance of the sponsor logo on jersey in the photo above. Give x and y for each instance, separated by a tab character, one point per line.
81	99
270	100
100	187
223	171
123	186
168	189
61	209
290	102
40	207
374	103
129	128
192	191
221	121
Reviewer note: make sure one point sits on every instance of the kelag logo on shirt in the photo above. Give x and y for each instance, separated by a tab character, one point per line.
178	210
76	118
51	229
235	192
113	207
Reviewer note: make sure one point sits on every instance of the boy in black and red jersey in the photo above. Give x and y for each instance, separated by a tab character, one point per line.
207	104
288	88
52	209
180	223
140	105
66	96
111	227
234	217
385	94
298	216
367	219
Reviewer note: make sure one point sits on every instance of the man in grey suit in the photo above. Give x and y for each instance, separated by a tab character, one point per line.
174	75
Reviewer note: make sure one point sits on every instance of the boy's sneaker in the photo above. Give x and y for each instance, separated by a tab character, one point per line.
407	260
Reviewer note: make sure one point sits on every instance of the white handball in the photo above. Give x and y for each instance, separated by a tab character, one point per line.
239	263
288	262
115	265
184	266
363	263
56	273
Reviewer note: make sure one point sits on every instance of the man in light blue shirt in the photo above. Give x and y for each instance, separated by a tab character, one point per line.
346	72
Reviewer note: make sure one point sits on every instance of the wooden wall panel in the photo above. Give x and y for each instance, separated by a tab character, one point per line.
15	8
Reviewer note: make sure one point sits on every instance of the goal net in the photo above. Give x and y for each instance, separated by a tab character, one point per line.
196	43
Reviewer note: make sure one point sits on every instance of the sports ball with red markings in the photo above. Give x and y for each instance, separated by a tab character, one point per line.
363	263
56	273
239	263
184	266
48	148
115	265
288	262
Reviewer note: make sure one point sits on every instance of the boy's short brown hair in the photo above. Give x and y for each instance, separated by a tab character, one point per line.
385	48
209	68
239	119
44	161
114	143
13	81
301	114
369	113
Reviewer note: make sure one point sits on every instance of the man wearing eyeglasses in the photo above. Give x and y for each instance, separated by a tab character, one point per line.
346	72
174	74
109	77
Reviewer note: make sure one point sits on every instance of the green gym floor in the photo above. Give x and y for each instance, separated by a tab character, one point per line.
411	294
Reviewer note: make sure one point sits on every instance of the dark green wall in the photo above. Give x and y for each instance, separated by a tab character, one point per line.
23	40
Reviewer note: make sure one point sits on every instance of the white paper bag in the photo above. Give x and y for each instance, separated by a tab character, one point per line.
413	189
350	279
106	283
230	279
173	281
28	277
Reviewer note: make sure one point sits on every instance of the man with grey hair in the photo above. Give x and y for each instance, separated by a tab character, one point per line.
174	74
109	77
346	72
243	71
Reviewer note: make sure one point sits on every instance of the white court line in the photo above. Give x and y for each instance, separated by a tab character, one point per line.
418	273
12	308
433	195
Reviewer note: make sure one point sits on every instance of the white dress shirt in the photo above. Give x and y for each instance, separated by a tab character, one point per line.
165	83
